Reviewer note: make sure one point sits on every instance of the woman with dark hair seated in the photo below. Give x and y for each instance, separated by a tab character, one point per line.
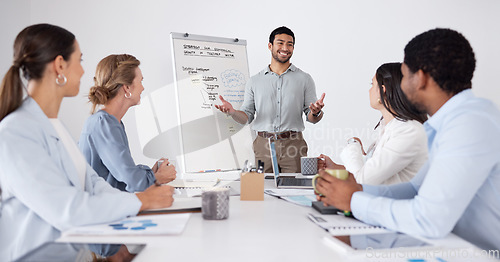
401	147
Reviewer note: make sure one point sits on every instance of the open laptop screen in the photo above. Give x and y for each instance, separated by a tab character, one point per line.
286	182
274	161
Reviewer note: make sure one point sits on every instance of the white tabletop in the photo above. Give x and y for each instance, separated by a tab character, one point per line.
269	230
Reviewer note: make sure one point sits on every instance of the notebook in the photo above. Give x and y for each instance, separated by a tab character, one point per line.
194	188
180	205
367	245
339	225
286	182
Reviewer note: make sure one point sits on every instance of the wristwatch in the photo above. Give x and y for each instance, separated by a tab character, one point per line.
318	114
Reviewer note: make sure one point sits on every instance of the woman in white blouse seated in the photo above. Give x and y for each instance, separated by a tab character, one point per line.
47	186
401	147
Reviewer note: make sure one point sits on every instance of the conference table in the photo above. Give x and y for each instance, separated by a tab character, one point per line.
269	230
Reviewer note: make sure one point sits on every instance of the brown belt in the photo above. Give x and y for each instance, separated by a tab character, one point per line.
277	136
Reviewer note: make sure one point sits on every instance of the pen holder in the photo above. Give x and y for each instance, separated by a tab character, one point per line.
252	186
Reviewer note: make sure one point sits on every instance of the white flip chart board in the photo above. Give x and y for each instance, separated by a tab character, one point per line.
204	68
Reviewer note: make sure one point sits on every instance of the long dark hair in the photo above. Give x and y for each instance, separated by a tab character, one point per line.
394	100
34	48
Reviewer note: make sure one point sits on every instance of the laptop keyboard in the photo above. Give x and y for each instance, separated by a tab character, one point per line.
291	181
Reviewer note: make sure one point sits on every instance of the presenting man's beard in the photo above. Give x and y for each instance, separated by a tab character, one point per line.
276	57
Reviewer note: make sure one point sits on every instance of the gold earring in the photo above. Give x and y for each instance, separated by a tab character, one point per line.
378	100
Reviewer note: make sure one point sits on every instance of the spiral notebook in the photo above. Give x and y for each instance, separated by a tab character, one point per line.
339	225
196	191
194	188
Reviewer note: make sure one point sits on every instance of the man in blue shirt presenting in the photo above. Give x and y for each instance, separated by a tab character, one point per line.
458	189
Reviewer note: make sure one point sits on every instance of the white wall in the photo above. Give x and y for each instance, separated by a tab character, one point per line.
340	43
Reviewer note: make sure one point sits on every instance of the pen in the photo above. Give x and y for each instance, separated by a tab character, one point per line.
211	170
260	168
245	166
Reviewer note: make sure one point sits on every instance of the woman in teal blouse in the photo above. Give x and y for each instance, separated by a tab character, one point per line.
104	143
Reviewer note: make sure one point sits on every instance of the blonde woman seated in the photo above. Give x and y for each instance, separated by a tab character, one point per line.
104	143
401	147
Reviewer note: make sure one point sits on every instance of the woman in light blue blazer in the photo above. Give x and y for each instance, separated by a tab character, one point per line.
104	143
47	186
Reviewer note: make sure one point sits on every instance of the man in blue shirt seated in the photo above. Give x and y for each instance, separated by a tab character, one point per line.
458	189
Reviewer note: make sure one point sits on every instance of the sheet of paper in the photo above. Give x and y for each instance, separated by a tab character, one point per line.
301	197
193	192
171	224
289	192
300	200
186	183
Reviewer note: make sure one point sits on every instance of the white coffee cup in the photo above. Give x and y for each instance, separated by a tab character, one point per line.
170	162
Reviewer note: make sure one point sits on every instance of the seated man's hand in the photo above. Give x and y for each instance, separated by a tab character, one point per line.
336	192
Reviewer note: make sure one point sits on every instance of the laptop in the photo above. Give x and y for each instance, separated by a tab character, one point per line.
286	181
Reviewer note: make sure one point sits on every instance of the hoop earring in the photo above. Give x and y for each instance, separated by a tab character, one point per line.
64	80
129	95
